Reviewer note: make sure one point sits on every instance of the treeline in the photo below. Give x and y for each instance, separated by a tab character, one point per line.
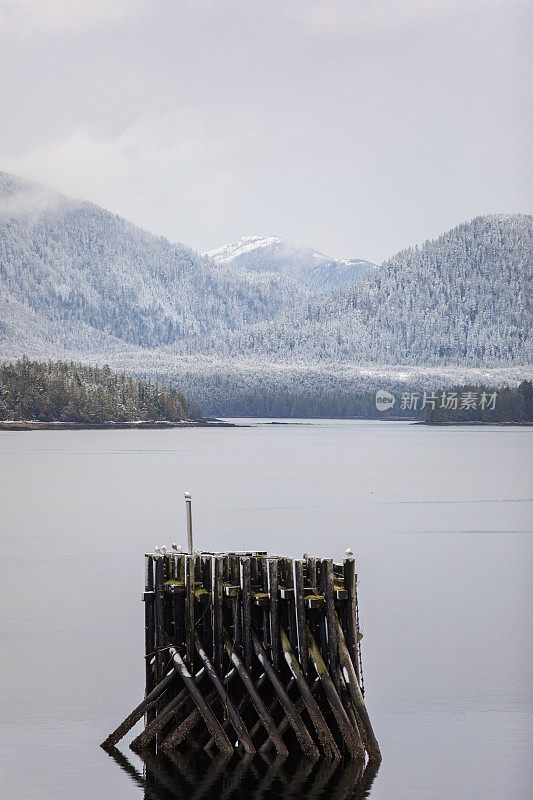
482	404
68	392
335	397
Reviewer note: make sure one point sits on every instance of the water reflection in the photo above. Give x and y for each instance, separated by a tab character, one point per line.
197	776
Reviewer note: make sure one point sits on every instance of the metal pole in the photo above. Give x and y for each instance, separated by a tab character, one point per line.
188	517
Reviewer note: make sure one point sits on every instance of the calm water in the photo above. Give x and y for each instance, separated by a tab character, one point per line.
440	521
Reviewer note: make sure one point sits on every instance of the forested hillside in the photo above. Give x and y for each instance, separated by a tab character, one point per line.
307	267
60	391
81	284
462	299
473	404
75	275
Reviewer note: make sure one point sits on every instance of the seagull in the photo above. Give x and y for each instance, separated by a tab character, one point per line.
176	547
349	551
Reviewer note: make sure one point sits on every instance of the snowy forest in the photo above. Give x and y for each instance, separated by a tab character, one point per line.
60	391
78	283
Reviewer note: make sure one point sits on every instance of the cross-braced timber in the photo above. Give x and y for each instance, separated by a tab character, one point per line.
251	652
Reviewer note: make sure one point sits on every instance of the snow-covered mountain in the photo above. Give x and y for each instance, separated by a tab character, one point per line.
319	273
463	299
74	276
241	335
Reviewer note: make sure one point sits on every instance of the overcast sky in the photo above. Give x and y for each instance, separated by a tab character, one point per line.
356	126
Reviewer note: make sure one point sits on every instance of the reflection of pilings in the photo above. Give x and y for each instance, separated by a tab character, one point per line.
274	770
236	776
321	779
367	779
162	777
125	764
299	777
345	780
214	773
181	776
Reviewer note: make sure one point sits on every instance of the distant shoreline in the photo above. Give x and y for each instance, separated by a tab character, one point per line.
35	425
474	423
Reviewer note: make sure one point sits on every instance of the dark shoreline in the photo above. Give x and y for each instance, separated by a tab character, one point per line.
475	423
36	425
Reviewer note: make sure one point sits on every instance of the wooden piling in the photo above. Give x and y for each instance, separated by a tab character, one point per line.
189	612
327	566
300	615
349	621
218	599
233	642
246	611
273	580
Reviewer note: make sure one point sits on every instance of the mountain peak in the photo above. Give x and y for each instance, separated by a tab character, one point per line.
243	245
300	262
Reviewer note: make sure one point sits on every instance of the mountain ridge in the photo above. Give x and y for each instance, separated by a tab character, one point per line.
70	261
310	268
78	282
462	298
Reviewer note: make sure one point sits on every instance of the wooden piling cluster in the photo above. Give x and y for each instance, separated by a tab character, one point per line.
251	653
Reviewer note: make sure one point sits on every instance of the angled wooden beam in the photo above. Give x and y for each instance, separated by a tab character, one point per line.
236	720
182	730
307	744
325	737
165	716
356	697
221	740
138	712
262	711
349	734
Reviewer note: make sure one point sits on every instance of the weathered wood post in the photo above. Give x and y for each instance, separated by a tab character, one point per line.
349	620
274	610
249	652
188	520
